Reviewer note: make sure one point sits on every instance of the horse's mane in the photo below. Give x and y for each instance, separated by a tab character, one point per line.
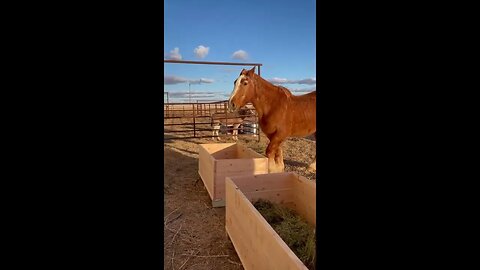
278	88
285	90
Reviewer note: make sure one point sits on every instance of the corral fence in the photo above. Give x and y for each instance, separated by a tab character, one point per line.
194	120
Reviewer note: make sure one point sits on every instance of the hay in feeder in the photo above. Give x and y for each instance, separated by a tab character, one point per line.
293	229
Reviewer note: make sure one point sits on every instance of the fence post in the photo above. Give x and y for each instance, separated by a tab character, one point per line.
257	131
194	128
226	118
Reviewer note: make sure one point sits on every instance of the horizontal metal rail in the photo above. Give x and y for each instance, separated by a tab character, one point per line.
206	136
214	63
243	129
211	63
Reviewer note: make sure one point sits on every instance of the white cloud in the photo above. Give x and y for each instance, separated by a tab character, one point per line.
193	94
173	80
174	54
277	80
302	90
201	51
240	54
177	80
309	81
201	80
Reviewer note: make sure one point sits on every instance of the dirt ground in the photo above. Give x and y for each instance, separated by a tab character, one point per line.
194	232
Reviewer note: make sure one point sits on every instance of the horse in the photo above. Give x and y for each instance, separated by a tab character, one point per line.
234	119
281	114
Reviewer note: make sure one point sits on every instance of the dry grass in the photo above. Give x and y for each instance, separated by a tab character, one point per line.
194	232
293	229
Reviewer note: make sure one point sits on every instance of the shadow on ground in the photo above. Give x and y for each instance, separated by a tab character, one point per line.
176	162
294	163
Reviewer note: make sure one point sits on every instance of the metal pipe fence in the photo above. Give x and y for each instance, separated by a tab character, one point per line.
195	119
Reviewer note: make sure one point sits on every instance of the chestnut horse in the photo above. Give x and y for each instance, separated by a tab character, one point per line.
281	114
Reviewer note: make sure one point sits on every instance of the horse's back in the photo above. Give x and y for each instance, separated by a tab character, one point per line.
303	113
311	95
307	101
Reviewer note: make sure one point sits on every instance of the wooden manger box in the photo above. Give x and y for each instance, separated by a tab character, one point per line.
256	242
218	160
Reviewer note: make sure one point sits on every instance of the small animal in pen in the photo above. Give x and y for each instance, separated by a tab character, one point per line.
221	122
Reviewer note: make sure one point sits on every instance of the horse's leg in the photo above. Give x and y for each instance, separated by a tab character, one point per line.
271	152
222	130
218	131
313	167
214	132
235	131
279	158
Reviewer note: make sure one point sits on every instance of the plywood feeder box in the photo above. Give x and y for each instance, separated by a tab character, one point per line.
219	160
256	242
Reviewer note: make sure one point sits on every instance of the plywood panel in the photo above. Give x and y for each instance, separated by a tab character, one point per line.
257	244
305	197
215	147
239	165
206	171
270	181
251	183
245	152
226	151
217	161
282	196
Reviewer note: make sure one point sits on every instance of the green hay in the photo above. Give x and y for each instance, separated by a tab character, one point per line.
294	230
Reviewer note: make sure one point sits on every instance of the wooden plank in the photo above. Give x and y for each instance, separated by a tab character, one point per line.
260	182
220	184
281	196
217	161
245	152
256	243
305	198
211	148
237	168
268	182
249	165
243	245
228	152
206	171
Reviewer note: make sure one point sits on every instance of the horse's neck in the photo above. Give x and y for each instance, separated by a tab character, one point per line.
264	95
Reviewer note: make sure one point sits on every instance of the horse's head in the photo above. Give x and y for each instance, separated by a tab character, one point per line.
243	90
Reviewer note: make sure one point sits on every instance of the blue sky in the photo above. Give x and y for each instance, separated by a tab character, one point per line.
278	34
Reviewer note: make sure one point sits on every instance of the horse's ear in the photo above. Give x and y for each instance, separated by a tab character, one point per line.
244	71
251	71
